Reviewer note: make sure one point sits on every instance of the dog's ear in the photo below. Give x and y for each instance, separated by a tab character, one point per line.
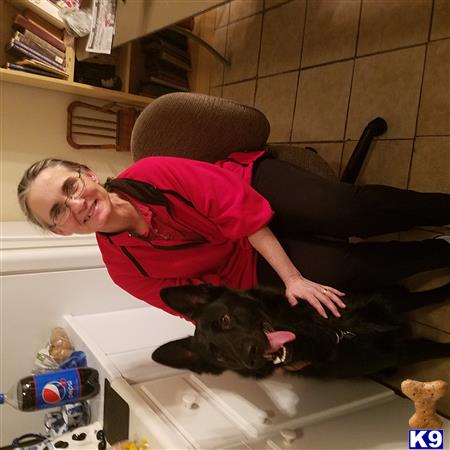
180	354
189	300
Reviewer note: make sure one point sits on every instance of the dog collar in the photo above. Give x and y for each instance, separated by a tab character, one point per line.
343	334
282	355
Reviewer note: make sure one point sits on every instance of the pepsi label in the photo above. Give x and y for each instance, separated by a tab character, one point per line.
57	388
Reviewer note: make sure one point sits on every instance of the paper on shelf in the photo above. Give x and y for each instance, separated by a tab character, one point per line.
103	26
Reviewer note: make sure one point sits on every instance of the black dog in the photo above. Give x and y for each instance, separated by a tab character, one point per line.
251	332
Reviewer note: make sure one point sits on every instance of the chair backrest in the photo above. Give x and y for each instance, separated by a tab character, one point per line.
197	126
100	127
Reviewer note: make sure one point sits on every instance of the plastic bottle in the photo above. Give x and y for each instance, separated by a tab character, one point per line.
51	389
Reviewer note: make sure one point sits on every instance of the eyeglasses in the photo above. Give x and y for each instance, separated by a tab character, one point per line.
74	188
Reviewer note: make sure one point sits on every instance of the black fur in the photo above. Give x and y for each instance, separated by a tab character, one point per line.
230	334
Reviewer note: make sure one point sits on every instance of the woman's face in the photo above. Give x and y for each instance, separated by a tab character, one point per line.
69	201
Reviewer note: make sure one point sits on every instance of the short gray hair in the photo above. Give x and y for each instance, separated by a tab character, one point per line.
23	189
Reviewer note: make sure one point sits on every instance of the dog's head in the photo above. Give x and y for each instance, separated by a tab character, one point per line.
232	332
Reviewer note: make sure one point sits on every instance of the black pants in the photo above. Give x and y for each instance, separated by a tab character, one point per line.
311	212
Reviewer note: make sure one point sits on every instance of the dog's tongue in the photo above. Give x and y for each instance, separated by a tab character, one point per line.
279	338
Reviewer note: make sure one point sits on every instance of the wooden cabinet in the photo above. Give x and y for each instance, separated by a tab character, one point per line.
179	409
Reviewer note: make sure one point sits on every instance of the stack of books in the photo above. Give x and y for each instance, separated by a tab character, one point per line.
37	47
167	63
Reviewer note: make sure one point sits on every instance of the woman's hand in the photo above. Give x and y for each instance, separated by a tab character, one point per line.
297	287
315	294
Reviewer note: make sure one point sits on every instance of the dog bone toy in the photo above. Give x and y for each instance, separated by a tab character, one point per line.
424	396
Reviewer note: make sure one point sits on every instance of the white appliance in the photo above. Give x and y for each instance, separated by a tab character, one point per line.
180	410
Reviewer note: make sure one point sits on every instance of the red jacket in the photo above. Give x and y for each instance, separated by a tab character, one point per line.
225	211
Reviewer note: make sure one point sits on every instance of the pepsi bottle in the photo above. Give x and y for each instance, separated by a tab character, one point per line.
51	389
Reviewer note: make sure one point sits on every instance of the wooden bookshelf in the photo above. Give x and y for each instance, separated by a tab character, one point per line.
128	55
124	67
71	87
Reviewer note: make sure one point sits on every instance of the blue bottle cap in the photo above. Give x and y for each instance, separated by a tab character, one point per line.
2	399
76	359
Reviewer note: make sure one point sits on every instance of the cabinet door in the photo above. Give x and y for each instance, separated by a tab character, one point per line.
198	420
381	427
261	407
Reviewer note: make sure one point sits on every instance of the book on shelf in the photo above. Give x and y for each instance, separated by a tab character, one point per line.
34	64
29	69
180	81
22	23
154	89
156	45
62	3
174	38
20	49
169	58
37	44
158	68
168	82
45	12
43	23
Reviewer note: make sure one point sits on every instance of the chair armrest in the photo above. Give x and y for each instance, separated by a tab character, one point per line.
305	157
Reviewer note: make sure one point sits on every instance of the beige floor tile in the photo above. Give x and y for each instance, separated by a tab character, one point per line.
240	92
320	158
441	19
387	85
216	91
390	24
331	152
275	98
416	234
322	101
386	163
222	15
244	8
281	38
427	280
243	42
430	169
386	237
436	334
436	316
434	109
438	369
330	32
217	68
272	3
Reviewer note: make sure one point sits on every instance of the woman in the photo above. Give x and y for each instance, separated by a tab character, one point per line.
244	221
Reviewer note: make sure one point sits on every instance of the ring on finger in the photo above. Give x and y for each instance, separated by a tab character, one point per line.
324	290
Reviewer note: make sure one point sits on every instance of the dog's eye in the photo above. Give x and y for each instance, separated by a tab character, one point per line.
225	322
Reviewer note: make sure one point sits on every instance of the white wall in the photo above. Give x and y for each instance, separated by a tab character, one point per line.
32	127
34	297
